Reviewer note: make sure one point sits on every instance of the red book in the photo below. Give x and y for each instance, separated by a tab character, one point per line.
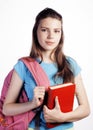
65	93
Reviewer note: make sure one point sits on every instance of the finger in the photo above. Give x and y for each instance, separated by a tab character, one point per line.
45	109
41	88
39	93
57	105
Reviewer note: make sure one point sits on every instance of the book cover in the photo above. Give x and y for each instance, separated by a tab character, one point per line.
65	93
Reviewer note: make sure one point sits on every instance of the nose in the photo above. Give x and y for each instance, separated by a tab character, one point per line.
50	35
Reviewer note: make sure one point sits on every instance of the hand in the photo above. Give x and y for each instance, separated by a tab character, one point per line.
39	93
53	115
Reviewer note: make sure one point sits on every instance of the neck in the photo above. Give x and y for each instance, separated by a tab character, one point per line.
47	58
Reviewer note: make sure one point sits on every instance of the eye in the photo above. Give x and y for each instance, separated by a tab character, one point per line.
43	29
57	31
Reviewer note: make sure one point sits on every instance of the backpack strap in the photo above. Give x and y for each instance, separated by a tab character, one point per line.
41	79
21	121
37	71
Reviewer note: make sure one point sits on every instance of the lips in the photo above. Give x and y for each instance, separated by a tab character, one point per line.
49	43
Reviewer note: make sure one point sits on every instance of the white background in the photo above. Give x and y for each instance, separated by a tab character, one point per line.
16	23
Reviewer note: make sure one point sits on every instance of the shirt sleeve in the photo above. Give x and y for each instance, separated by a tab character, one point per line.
76	69
20	68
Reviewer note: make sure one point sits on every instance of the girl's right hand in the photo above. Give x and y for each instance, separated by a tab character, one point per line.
39	93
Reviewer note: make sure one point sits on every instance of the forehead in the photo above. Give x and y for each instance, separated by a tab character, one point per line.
50	22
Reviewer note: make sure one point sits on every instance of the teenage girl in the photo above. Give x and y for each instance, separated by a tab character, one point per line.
47	49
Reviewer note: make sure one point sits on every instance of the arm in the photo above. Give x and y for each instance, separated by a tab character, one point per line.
83	108
10	106
80	112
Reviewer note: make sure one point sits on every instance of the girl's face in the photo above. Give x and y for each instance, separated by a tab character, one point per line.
49	33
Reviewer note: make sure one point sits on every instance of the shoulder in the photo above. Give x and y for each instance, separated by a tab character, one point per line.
21	69
71	60
75	67
23	61
20	65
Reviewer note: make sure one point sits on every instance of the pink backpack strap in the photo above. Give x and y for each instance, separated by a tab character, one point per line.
21	121
37	71
41	79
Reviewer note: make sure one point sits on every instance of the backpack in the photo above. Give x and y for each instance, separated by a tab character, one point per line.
21	121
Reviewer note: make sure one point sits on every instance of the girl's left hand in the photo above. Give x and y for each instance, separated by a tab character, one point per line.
54	114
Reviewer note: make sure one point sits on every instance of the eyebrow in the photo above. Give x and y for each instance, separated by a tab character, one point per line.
48	28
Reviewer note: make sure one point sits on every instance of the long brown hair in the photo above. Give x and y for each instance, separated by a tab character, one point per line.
64	69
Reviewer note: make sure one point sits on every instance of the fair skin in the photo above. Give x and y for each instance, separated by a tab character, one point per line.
79	113
48	33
